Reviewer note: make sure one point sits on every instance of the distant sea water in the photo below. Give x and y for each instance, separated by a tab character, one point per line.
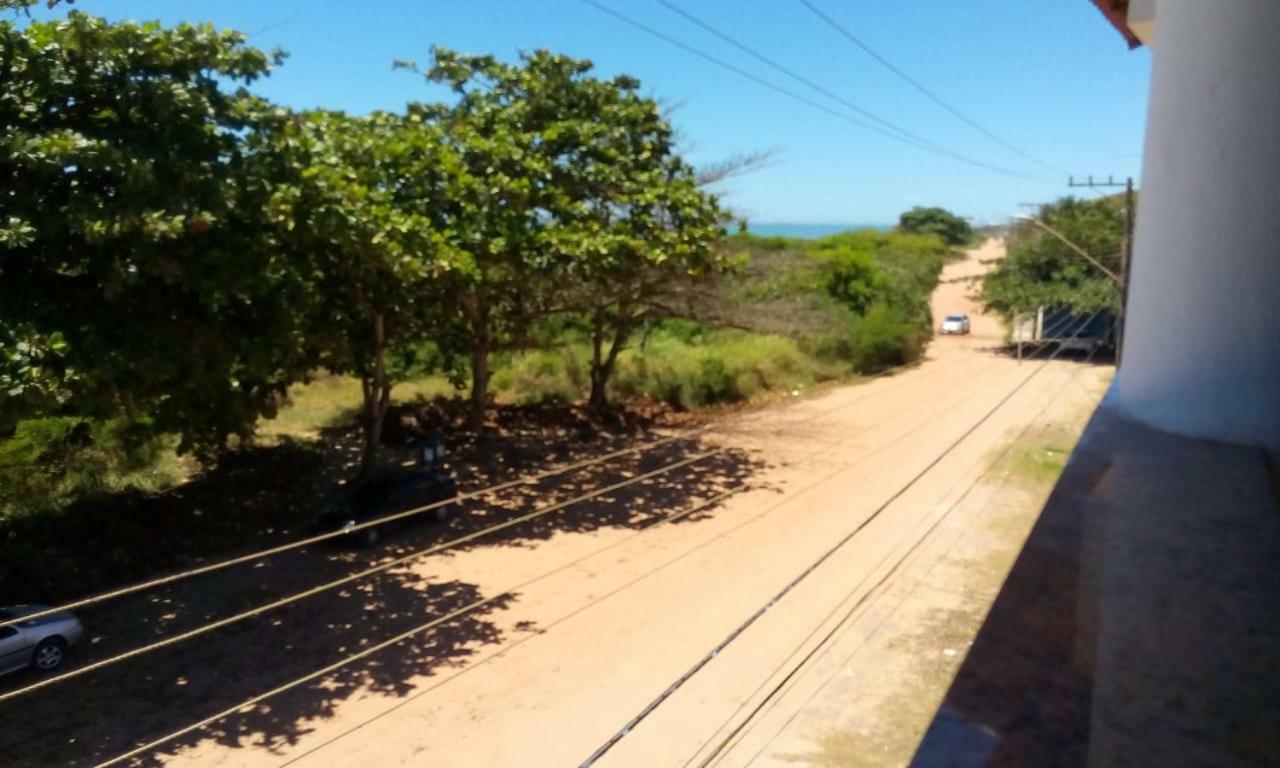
809	231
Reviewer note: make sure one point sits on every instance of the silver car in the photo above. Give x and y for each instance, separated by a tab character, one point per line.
40	643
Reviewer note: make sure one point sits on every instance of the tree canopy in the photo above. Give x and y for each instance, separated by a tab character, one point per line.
565	181
1040	270
177	250
356	207
936	221
133	272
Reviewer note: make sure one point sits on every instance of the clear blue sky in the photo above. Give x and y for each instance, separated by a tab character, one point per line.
1050	76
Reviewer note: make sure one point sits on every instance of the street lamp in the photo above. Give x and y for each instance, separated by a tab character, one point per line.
1083	253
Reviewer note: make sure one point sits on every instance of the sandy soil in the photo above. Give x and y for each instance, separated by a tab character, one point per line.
598	610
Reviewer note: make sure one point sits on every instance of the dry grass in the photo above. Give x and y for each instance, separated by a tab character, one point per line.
329	400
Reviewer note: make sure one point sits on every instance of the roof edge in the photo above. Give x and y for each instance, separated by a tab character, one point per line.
1117	12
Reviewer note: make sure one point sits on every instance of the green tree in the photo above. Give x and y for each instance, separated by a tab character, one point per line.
1040	270
511	130
563	177
358	202
936	221
638	231
135	269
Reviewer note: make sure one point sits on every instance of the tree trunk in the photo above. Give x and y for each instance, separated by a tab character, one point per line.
602	365
376	390
479	372
598	400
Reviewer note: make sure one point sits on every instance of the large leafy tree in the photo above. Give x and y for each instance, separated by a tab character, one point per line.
569	197
646	240
1040	270
523	134
135	269
358	201
635	228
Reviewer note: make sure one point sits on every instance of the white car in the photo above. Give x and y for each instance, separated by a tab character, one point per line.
40	643
954	324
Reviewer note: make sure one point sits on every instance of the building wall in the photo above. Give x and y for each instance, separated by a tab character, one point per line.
1202	343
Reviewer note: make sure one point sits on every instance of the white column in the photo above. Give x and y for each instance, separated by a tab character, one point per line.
1202	344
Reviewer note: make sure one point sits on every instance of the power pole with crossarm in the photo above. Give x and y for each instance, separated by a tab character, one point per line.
1126	251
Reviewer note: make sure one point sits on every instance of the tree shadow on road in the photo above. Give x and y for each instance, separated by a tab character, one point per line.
108	712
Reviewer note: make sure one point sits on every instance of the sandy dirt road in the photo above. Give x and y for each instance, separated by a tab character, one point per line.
590	623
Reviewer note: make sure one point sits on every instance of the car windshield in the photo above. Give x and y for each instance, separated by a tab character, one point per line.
373	492
955	318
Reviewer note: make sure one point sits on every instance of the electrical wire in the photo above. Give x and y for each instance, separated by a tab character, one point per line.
280	603
1003	482
458	613
790	498
890	134
826	555
640	25
902	134
783	684
895	69
436	622
528	479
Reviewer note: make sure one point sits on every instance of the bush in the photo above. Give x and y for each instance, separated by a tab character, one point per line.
538	376
882	339
724	367
50	463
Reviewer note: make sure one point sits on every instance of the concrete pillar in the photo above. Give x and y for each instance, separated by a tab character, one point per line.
1202	344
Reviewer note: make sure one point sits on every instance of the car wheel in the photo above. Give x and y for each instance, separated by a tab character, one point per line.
49	654
369	537
441	513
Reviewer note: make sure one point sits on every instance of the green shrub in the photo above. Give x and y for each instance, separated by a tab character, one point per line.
724	367
52	462
882	339
543	376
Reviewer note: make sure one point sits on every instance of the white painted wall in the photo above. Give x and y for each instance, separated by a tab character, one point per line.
1202	344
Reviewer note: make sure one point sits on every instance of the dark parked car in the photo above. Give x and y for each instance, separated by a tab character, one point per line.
386	495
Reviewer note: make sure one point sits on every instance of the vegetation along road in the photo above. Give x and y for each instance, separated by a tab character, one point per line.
559	632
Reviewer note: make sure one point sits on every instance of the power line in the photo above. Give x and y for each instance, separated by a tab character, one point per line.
313	591
813	652
896	136
485	601
723	534
837	26
528	479
364	653
826	555
903	134
739	71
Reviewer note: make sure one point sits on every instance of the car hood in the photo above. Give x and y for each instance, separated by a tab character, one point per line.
18	611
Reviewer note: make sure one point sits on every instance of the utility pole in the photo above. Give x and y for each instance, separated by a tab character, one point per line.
1126	250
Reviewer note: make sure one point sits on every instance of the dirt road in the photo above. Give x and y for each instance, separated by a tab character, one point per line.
596	616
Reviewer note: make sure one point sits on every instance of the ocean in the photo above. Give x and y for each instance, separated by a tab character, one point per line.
809	231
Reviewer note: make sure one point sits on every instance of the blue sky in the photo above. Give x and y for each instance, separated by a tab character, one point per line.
1049	76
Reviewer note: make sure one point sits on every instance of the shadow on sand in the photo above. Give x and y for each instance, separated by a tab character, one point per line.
90	719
